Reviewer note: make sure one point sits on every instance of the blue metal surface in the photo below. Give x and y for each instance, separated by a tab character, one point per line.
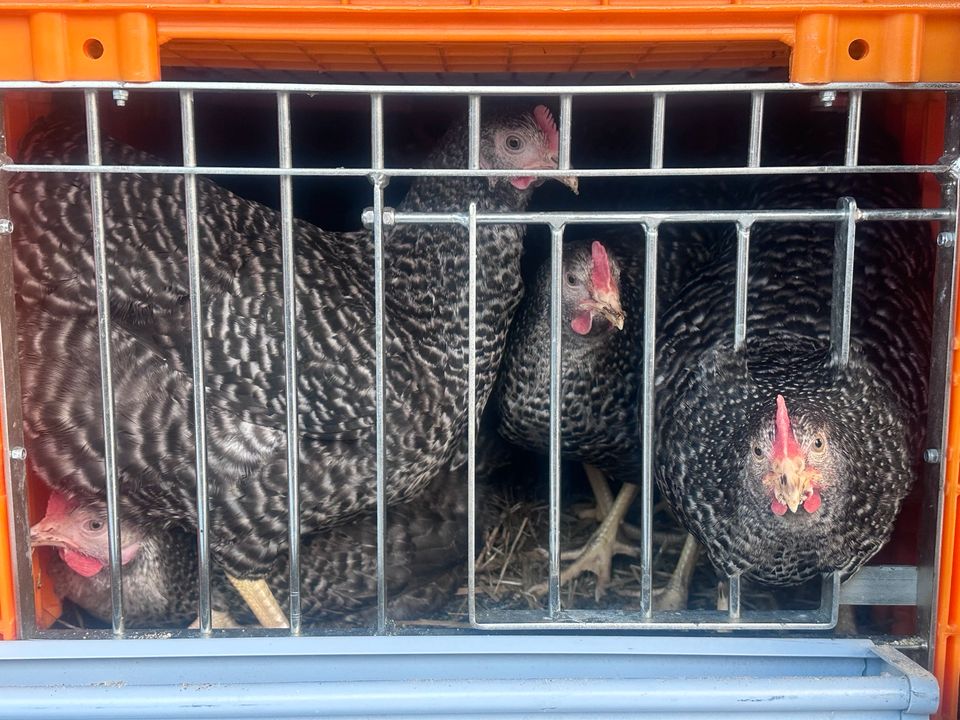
464	676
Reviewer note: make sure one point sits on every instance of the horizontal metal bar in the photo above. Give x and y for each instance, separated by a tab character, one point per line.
881	585
678	216
440	677
495	90
732	170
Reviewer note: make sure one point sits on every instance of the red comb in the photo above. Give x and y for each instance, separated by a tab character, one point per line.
601	276
544	118
784	443
57	505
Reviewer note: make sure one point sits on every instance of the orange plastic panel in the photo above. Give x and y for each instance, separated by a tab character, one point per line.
826	40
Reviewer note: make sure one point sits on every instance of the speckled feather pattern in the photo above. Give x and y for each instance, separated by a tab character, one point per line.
425	341
602	372
426	550
713	402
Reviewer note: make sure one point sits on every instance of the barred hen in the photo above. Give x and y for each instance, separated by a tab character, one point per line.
426	550
782	461
426	270
602	319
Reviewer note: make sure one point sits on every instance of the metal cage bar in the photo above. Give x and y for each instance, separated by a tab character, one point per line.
290	356
106	363
646	617
841	299
197	357
556	395
379	181
648	405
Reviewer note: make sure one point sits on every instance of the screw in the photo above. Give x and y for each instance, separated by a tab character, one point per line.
828	97
931	456
18	453
6	226
120	97
945	239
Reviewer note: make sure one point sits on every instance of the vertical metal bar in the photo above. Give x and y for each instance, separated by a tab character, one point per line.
743	279
841	302
14	470
473	117
197	357
106	360
659	119
853	129
379	181
733	606
756	128
830	599
566	120
474	164
472	414
647	419
939	395
290	356
556	409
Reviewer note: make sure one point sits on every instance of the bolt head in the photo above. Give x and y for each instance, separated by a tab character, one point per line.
6	226
120	97
828	98
18	453
945	239
931	456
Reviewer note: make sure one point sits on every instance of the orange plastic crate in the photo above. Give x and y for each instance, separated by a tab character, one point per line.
826	40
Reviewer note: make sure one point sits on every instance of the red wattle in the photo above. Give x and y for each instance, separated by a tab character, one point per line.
778	508
582	323
80	563
812	503
521	183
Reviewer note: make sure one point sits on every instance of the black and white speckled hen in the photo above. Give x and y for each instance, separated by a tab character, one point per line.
426	550
601	340
425	338
782	461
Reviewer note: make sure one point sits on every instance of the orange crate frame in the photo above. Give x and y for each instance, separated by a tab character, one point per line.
822	41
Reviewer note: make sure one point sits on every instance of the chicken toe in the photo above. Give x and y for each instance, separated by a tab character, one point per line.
263	604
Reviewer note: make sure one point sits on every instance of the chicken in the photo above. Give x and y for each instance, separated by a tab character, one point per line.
425	339
600	376
783	461
159	566
426	550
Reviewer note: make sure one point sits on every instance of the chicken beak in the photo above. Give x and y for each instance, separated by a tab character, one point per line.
42	534
571	182
792	482
607	303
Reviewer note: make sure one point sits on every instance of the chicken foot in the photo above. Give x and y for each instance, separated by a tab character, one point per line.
604	501
597	555
673	596
261	601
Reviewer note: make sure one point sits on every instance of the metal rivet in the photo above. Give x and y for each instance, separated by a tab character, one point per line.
367	218
18	453
931	456
6	226
946	239
120	97
828	97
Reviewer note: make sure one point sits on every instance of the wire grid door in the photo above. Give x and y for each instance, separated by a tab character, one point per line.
880	585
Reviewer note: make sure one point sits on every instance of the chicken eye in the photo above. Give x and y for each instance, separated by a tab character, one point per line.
757	451
514	143
819	443
95	525
572	280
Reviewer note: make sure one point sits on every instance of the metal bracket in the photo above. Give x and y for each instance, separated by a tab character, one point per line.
389	217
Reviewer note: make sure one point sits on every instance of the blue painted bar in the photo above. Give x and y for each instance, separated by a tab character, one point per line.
462	675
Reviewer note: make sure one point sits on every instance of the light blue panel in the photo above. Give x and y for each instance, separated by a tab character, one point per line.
467	676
